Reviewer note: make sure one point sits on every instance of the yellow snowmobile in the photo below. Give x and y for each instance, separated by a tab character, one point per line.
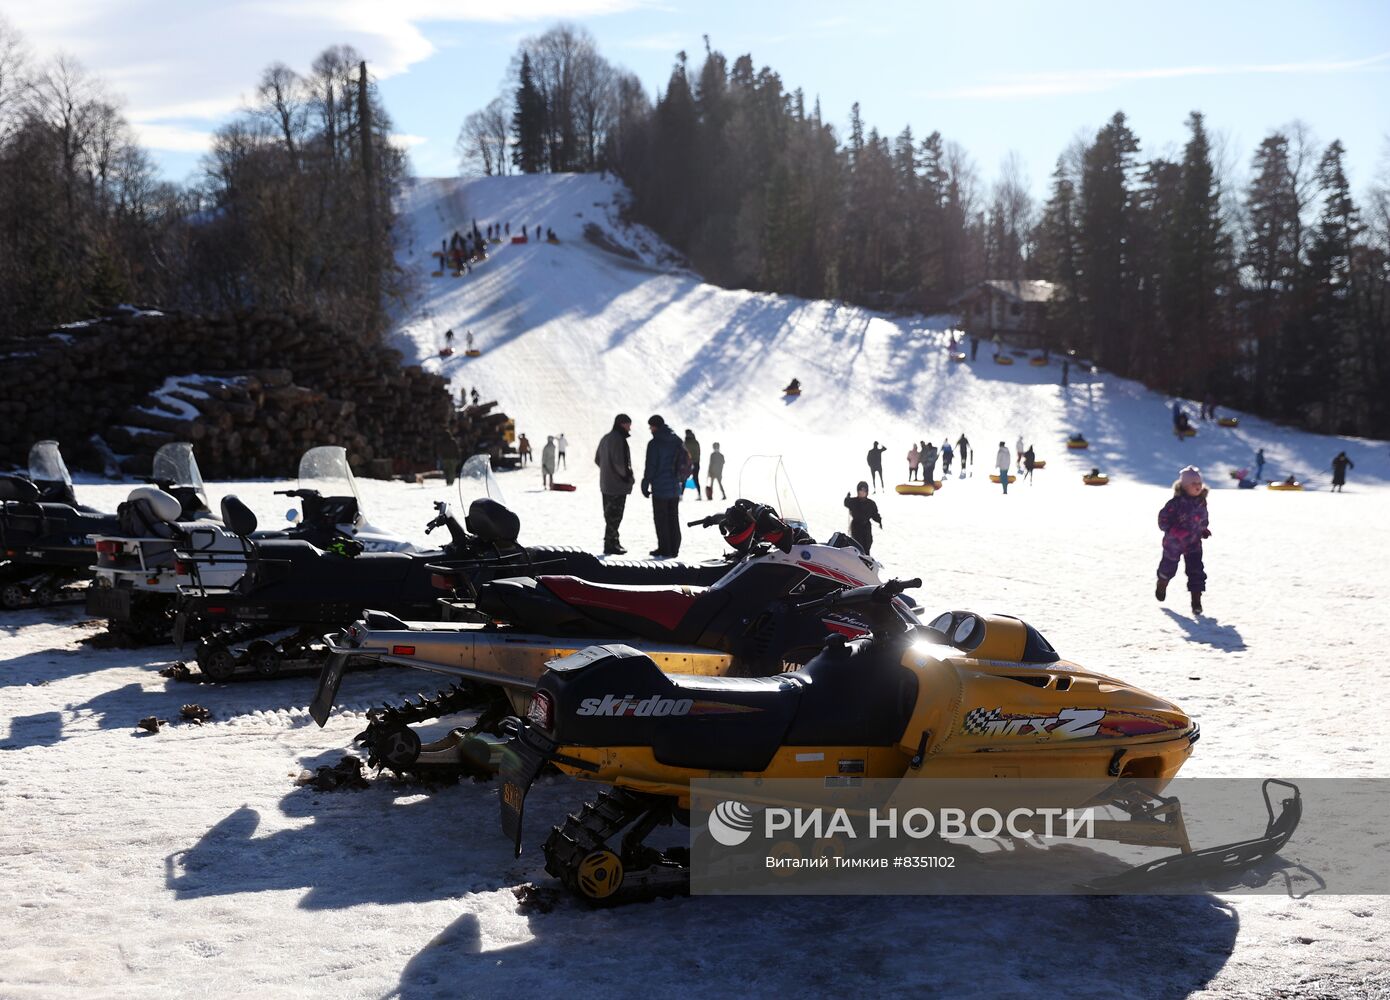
966	696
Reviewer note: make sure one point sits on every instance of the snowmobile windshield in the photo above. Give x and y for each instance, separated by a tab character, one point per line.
46	464
764	479
174	464
326	470
476	482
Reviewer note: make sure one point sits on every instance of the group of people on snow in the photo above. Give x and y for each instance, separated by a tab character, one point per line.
672	465
923	456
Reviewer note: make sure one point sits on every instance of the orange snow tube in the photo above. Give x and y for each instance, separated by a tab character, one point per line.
1078	444
1095	480
994	478
1003	359
1228	421
1037	361
916	489
473	352
1291	487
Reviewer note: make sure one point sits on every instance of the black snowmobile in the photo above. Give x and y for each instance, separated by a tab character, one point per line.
45	534
295	587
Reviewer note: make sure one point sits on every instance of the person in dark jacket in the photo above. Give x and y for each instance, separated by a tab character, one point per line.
1184	523
929	463
862	510
662	483
1340	465
716	473
615	480
1029	463
875	460
963	452
692	448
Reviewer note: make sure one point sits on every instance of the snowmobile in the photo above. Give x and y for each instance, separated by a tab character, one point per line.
743	625
966	696
168	539
45	534
301	590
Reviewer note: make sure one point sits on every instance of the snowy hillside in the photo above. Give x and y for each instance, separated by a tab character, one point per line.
190	862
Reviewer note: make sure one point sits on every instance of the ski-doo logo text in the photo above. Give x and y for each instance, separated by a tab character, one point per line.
611	704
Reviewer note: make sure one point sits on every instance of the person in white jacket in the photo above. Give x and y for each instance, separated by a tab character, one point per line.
561	446
1019	449
1002	463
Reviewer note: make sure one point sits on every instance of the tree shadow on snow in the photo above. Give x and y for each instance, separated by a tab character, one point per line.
1207	631
953	946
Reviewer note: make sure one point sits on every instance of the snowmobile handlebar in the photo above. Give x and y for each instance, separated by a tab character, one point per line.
300	493
881	594
705	522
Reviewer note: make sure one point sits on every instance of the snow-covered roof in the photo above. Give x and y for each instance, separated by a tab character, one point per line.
1015	291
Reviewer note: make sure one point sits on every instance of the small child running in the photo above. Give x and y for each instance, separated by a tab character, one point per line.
1183	521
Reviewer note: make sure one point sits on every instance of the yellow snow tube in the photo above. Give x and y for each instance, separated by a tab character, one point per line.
1095	480
1188	432
473	352
1037	361
1040	463
916	489
994	478
1078	444
1003	359
1286	486
1228	421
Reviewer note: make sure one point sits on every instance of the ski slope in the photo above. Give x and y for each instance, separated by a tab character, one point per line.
190	862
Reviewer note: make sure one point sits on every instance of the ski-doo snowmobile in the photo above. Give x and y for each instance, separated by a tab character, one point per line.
168	540
966	696
45	534
296	587
745	624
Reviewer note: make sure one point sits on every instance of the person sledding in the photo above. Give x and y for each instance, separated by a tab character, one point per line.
1183	521
793	388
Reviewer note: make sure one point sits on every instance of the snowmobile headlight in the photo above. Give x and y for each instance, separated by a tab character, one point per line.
541	711
964	630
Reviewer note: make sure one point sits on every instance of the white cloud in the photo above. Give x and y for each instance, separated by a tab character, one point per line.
1093	81
173	138
184	59
403	140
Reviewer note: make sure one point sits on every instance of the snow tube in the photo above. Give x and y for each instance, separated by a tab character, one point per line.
562	487
1228	421
445	352
791	392
916	489
1037	361
1003	359
552	239
436	274
473	352
1040	463
994	478
958	356
1078	444
1246	484
1187	432
1095	480
520	239
1286	486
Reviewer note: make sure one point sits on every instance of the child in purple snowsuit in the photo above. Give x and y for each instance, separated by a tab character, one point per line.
1183	521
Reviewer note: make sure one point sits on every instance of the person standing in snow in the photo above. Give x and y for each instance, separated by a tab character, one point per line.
1028	465
475	396
913	458
963	451
946	455
468	340
1340	465
561	444
1019	449
716	473
1183	521
974	346
666	459
929	464
1259	464
1001	460
875	459
548	463
615	480
692	448
449	339
862	510
523	448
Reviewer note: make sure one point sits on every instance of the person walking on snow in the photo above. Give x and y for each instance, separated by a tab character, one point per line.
1259	464
561	443
862	510
929	464
1028	465
716	473
1020	449
1183	521
963	451
875	459
1001	460
692	447
946	456
523	448
913	458
548	463
615	480
661	481
1340	465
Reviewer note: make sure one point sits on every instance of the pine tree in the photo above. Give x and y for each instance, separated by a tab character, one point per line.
528	122
1107	230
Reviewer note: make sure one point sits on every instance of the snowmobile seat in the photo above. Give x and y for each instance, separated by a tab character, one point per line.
587	566
237	516
852	695
18	488
492	522
616	696
632	606
526	604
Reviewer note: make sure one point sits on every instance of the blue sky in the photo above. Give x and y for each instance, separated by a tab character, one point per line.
995	77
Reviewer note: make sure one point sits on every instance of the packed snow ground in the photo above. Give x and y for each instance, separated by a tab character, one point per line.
189	862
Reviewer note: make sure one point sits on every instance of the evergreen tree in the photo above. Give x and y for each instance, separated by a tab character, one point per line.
528	122
1107	230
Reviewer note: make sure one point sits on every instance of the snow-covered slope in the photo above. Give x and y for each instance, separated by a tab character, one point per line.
573	333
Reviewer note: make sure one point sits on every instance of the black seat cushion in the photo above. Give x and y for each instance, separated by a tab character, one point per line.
854	695
587	566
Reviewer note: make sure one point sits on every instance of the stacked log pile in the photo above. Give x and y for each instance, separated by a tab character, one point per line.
252	391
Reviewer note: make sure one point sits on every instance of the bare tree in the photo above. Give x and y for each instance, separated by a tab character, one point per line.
281	98
13	79
483	140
